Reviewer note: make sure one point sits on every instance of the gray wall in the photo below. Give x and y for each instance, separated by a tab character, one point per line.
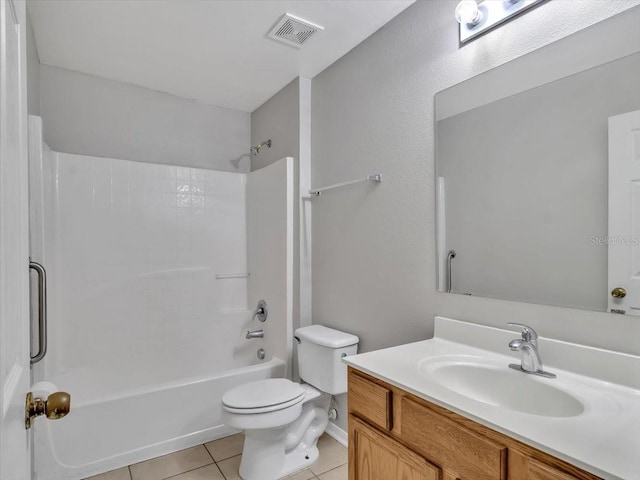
88	115
374	261
277	119
546	151
33	72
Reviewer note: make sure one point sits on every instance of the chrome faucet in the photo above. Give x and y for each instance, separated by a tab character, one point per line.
254	334
528	346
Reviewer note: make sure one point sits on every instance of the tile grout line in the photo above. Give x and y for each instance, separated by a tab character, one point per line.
225	459
216	462
336	468
194	469
205	447
213	462
330	470
221	472
225	477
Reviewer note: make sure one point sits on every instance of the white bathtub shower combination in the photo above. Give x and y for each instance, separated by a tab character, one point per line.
143	331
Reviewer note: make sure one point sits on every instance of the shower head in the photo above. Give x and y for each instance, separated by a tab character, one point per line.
255	150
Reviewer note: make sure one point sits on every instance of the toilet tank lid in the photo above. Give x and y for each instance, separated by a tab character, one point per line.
326	337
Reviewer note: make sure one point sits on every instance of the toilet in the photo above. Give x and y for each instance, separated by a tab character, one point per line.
282	420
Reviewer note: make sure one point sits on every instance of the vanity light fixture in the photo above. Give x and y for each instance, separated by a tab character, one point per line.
467	12
476	19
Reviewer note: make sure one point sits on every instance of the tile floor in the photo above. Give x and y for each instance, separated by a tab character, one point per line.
220	459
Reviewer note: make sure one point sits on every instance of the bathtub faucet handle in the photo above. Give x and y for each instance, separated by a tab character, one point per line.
261	311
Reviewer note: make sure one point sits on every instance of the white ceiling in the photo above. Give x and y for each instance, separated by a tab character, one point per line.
214	51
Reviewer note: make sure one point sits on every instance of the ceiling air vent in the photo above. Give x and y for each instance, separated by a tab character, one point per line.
293	30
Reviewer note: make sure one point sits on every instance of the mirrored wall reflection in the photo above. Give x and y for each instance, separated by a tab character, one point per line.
535	187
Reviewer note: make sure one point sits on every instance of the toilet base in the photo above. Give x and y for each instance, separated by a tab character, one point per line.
274	453
262	454
262	457
298	460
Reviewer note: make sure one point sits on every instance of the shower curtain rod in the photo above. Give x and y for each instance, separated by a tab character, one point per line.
376	177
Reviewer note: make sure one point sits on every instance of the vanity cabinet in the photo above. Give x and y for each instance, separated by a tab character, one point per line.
394	435
379	457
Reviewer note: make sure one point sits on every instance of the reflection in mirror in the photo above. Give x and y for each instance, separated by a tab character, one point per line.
539	181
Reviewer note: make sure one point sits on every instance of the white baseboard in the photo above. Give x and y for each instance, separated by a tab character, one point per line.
337	433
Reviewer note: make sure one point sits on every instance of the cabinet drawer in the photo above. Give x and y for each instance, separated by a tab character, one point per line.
450	445
540	471
370	401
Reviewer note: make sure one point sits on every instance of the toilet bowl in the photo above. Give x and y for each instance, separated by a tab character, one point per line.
283	420
280	438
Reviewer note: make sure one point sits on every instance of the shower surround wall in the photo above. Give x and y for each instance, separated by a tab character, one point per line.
139	325
137	249
271	253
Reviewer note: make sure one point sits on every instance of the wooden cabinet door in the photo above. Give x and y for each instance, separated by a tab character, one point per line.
454	447
374	456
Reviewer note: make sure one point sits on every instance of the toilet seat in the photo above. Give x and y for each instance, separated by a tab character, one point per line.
263	396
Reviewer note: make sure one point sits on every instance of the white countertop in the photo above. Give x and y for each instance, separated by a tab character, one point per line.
604	439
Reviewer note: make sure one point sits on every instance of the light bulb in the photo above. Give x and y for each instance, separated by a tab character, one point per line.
468	12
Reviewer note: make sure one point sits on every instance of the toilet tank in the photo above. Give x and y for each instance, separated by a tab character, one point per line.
320	353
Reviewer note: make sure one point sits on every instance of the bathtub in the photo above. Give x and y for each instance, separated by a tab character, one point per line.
111	427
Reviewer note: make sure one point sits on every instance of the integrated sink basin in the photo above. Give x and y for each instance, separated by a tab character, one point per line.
502	387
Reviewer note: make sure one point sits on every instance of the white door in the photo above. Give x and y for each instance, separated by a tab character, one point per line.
624	213
15	461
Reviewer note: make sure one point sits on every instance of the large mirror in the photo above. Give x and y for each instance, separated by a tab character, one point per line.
538	175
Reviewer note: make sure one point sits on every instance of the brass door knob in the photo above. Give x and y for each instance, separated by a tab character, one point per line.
618	292
56	406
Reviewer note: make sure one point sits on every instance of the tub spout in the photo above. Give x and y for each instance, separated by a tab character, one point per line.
254	334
